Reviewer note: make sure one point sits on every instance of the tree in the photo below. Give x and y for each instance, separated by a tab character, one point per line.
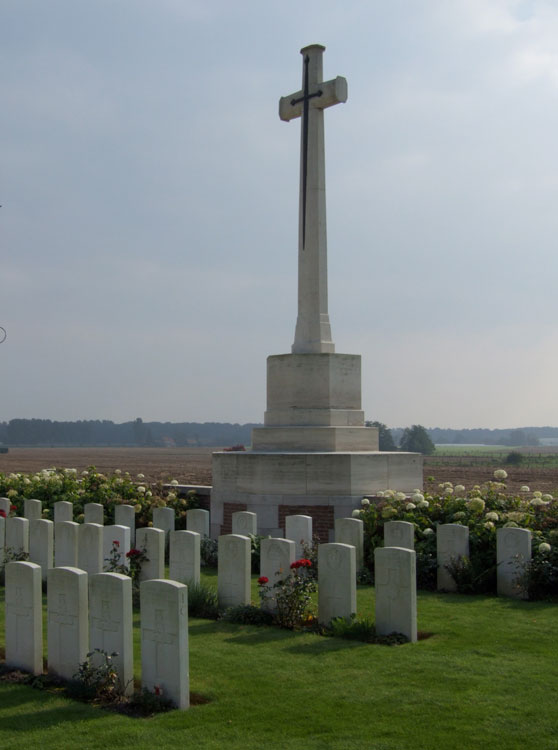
416	440
384	435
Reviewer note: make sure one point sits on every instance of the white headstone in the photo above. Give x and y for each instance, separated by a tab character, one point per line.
93	513
184	556
244	522
276	556
396	591
63	511
336	581
164	640
41	544
24	617
351	531
17	535
164	518
452	544
120	535
233	570
90	548
153	542
197	519
66	544
299	530
67	612
399	534
125	515
513	551
5	505
32	509
110	624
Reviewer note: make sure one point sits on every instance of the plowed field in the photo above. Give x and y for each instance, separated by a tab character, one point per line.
193	466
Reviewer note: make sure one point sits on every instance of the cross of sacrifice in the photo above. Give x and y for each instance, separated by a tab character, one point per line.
313	331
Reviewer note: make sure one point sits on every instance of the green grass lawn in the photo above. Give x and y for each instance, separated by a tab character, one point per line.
486	678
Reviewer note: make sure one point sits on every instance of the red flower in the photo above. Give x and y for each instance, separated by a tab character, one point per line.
13	507
133	552
262	580
116	543
304	562
2	513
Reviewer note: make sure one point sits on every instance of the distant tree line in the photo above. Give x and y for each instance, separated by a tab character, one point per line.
137	432
104	432
423	440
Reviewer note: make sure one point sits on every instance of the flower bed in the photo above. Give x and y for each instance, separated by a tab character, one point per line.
483	509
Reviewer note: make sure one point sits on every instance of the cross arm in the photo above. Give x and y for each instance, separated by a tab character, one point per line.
333	92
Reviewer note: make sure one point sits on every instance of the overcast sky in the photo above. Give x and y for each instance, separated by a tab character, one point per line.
148	226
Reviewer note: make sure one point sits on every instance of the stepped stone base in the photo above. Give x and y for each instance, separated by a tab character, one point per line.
333	484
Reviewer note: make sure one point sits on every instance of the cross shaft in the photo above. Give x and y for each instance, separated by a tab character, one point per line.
313	331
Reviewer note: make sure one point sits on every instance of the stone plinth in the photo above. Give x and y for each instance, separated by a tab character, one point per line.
332	483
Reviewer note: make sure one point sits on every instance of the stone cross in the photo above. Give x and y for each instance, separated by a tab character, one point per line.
313	331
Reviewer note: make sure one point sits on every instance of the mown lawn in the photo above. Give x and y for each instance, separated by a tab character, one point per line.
486	678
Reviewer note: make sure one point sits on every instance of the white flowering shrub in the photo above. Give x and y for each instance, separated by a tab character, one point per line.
484	509
92	486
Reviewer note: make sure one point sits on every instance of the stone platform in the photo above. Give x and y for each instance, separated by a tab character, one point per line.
326	485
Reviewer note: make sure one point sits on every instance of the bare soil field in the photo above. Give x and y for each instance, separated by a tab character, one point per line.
187	465
193	466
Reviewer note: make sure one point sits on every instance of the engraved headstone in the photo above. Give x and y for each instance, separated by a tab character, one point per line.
32	509
24	617
351	531
90	548
5	505
63	511
244	522
513	552
396	591
164	640
197	519
17	535
66	544
125	515
41	544
399	534
336	581
120	535
110	624
93	513
299	530
184	556
276	556
452	544
67	613
164	518
152	541
233	571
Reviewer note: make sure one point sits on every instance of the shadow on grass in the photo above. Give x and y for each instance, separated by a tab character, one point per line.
23	721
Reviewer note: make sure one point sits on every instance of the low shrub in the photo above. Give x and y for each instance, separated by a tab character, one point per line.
361	629
248	614
209	552
202	601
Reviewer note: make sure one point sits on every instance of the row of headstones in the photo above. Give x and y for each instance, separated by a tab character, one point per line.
513	545
197	519
85	613
90	547
396	609
513	552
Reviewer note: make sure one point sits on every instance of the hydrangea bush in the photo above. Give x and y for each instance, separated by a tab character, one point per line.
91	486
484	509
